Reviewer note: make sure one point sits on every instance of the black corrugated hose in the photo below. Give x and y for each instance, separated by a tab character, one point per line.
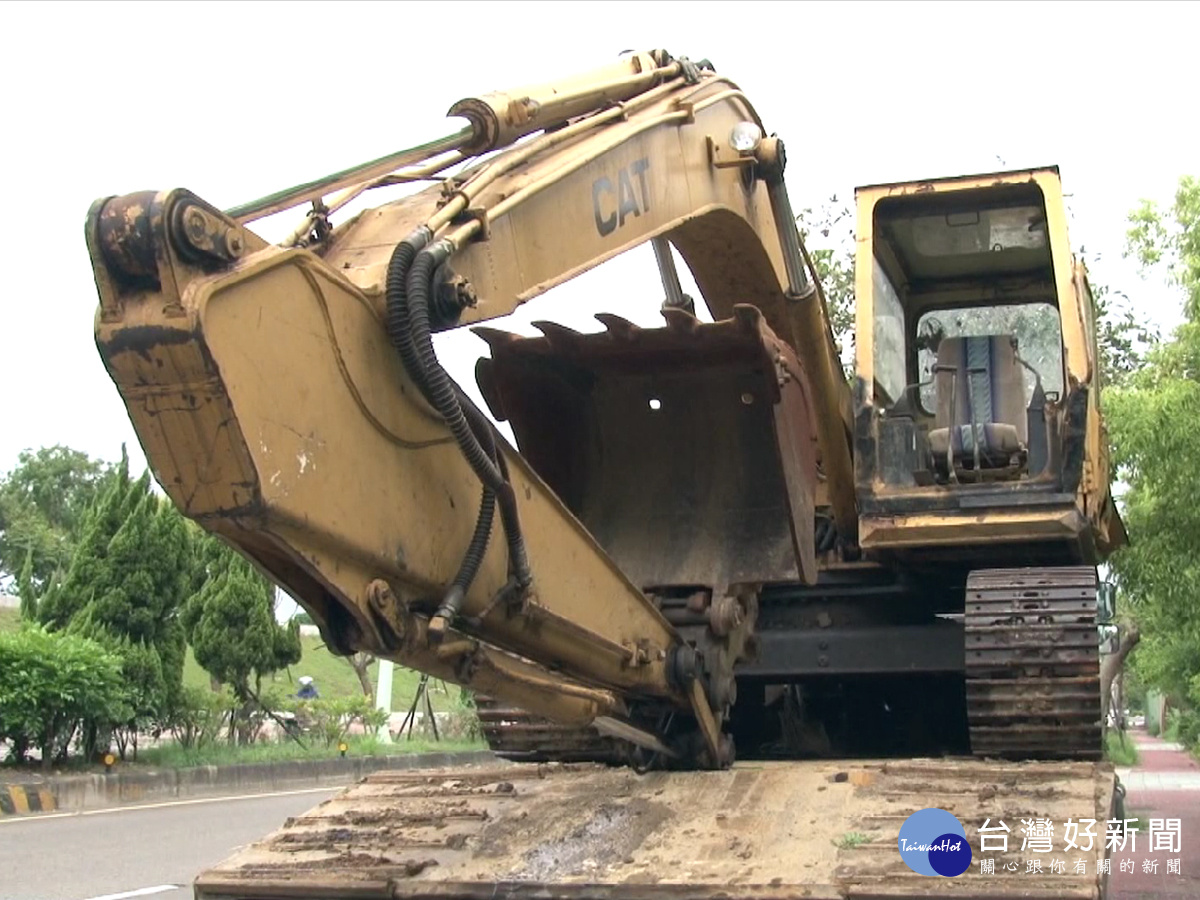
445	400
400	333
452	600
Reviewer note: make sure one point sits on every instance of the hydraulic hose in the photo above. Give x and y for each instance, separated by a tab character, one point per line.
444	399
440	387
400	332
398	326
452	601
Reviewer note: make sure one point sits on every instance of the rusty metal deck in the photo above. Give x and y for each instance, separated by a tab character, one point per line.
766	831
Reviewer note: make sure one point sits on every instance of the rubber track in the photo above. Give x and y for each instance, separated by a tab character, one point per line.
514	734
1033	663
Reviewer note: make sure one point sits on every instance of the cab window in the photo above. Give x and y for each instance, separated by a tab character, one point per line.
889	339
1035	326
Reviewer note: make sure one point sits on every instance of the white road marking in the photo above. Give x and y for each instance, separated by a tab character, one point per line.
140	892
12	820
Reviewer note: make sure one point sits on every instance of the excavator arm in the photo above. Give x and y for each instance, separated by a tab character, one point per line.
289	398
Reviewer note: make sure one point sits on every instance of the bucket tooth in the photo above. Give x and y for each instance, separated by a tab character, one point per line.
560	337
621	329
494	337
680	320
747	316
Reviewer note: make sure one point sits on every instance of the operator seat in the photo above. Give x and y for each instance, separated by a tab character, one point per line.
980	383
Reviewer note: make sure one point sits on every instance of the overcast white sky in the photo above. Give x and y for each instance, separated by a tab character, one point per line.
235	100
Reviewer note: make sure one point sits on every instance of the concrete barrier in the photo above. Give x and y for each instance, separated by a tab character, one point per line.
75	793
22	799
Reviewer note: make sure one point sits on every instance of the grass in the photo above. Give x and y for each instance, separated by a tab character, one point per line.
851	839
334	678
332	674
1120	749
173	756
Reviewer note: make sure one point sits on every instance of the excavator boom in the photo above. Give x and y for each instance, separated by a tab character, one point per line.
290	400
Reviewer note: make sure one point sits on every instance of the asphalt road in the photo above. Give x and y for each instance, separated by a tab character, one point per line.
127	852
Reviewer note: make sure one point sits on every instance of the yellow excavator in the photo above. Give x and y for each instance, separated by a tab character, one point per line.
707	543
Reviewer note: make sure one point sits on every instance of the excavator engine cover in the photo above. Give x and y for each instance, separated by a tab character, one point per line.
689	451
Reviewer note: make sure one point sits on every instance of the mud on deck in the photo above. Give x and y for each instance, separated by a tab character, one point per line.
761	830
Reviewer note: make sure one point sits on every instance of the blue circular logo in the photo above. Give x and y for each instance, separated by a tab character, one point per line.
933	842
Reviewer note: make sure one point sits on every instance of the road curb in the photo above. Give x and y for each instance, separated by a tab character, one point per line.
77	793
23	799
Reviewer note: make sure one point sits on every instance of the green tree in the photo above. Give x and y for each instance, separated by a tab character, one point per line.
231	625
42	504
66	595
127	579
828	235
1155	445
26	590
1124	339
52	686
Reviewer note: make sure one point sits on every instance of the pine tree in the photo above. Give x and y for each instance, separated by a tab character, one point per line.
29	603
231	625
128	577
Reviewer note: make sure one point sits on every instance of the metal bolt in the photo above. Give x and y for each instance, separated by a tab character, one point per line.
823	661
195	223
466	294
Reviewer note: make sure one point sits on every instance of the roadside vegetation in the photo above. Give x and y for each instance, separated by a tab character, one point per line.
1120	750
333	677
175	756
1183	726
1155	445
137	628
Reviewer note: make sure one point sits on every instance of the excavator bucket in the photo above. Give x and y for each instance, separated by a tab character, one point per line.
688	451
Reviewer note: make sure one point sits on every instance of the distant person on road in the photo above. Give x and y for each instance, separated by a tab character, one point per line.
308	690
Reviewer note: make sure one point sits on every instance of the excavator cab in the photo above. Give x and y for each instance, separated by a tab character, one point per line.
977	386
